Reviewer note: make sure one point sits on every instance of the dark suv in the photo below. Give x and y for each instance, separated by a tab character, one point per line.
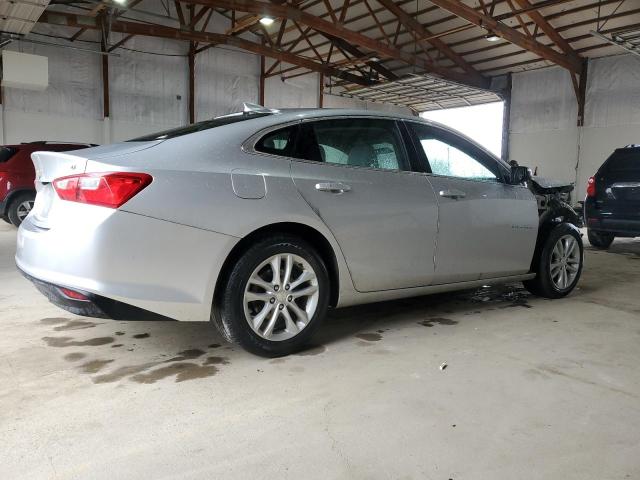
17	176
612	206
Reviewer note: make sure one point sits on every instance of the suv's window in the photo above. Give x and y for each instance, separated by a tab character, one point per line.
625	161
6	153
278	142
452	157
356	142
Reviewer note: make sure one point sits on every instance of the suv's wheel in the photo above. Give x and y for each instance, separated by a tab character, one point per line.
600	239
560	263
5	218
20	207
275	297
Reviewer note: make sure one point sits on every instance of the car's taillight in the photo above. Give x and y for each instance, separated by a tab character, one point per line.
591	187
105	189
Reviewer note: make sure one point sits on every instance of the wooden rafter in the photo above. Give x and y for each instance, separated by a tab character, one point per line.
413	25
135	28
388	51
477	18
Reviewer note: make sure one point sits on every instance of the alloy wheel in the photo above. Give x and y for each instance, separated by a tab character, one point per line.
23	209
281	297
565	262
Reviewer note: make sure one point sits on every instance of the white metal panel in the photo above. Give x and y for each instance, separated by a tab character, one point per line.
23	70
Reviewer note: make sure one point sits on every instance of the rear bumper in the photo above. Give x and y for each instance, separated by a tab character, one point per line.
617	226
123	258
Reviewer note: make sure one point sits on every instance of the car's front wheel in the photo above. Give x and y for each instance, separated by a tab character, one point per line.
599	239
275	297
559	265
20	207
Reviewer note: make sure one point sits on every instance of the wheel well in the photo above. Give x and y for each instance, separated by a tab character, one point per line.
306	233
11	196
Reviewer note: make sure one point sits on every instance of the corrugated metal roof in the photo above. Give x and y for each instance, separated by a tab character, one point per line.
19	16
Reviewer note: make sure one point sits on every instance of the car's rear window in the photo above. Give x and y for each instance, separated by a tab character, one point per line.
624	160
6	153
197	127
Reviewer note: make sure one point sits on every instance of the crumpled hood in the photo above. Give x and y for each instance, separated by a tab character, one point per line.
551	185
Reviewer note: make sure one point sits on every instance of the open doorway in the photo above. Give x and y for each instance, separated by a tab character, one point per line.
482	123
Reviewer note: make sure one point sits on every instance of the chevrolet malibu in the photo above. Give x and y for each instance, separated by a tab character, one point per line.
260	221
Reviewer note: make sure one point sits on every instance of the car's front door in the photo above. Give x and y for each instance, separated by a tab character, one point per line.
487	228
355	174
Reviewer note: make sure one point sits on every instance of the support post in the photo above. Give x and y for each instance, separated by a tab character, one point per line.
506	118
1	117
261	87
321	91
192	82
107	136
582	92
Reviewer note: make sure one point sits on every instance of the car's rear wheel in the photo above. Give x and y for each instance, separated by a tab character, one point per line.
559	265
275	297
20	207
5	218
600	239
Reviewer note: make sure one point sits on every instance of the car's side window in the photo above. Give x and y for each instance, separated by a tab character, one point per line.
278	142
356	142
451	156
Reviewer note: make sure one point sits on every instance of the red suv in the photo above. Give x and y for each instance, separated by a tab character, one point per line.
17	176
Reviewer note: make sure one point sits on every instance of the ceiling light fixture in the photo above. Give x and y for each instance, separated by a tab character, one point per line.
266	21
492	37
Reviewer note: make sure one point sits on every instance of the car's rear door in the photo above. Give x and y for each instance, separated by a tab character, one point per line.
355	174
619	186
487	228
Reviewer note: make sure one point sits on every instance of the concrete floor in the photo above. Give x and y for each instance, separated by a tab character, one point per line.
533	389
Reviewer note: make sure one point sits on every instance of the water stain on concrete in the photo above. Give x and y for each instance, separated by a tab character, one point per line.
94	366
142	335
119	333
279	360
70	342
122	372
182	371
117	345
312	350
216	361
187	355
74	325
369	337
74	356
54	321
214	345
437	320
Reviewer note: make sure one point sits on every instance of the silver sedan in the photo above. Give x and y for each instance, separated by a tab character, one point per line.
262	220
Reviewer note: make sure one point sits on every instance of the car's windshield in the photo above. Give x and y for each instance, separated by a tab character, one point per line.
197	127
624	161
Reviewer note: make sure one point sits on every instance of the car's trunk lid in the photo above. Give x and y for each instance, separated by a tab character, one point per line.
50	166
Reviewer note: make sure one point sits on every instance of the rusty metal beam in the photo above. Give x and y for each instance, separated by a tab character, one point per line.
134	28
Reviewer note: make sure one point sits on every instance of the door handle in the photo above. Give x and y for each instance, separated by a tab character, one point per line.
455	194
333	187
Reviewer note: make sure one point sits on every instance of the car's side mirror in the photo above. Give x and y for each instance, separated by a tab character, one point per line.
519	175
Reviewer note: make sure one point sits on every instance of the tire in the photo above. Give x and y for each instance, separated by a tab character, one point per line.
19	207
600	239
5	218
549	285
275	335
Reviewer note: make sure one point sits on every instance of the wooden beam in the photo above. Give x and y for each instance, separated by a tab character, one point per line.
300	16
413	25
477	18
356	52
192	82
549	31
261	86
161	31
106	110
120	42
245	22
582	92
